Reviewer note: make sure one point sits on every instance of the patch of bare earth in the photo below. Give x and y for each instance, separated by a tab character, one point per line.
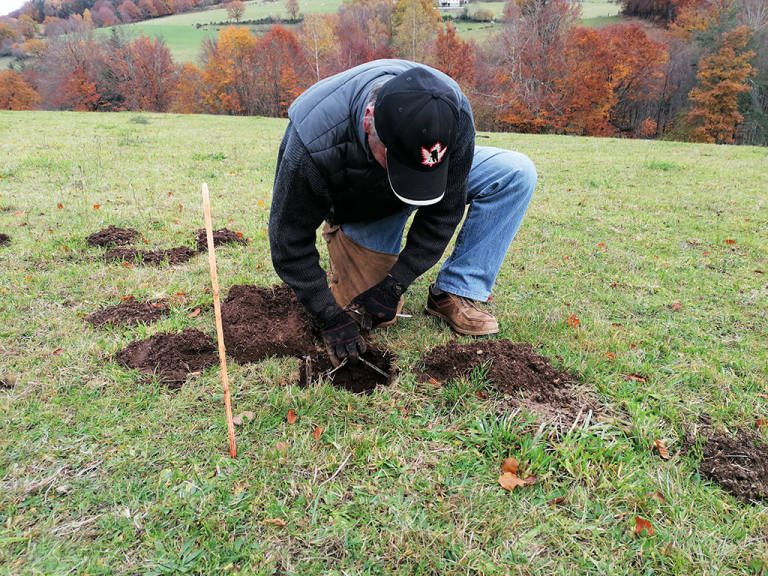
5	240
172	256
220	237
170	357
513	369
737	460
128	313
112	236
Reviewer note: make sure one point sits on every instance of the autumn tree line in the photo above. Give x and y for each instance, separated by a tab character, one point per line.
694	70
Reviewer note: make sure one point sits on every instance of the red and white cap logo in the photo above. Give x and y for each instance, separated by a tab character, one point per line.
434	155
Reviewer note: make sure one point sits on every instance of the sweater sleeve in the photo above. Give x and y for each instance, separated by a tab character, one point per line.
299	204
433	226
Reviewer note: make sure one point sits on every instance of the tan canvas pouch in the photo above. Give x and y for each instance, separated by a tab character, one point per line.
354	268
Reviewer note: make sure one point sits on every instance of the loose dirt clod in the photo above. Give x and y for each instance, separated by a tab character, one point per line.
262	322
128	313
358	377
220	237
5	240
737	461
170	357
151	257
112	236
515	369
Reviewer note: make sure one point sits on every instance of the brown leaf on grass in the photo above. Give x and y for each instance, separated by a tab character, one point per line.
275	521
676	306
282	446
96	206
509	465
239	234
761	395
194	314
641	525
59	206
706	253
58	351
531	479
663	452
127	264
179	293
481	394
181	207
19	214
658	496
238	420
601	245
610	355
318	432
635	377
556	501
145	240
291	417
759	423
404	410
573	321
759	272
729	241
435	382
128	297
509	481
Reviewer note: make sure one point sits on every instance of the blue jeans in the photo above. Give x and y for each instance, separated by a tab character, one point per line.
501	183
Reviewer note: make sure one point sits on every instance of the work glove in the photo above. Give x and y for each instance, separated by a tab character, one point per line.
341	335
379	303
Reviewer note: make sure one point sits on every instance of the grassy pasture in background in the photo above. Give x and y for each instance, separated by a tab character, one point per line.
101	472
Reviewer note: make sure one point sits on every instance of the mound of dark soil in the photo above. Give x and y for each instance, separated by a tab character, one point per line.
112	236
170	357
5	385
263	322
357	378
5	240
515	369
738	462
128	313
151	257
220	237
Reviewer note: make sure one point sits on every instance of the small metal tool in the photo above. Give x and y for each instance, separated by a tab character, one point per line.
374	367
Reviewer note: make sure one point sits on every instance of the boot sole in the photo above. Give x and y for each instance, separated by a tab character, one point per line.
428	310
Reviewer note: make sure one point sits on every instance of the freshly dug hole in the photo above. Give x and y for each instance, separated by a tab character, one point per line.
151	257
112	236
128	313
357	377
262	322
5	240
170	357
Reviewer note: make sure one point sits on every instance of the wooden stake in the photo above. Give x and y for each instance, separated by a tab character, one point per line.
217	310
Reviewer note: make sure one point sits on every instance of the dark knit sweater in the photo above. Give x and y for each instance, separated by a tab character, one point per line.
301	201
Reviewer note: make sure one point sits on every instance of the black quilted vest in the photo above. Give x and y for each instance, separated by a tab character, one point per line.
328	118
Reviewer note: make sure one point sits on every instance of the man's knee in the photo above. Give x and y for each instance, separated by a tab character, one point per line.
521	172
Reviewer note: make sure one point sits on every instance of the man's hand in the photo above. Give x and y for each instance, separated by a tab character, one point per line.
341	336
378	304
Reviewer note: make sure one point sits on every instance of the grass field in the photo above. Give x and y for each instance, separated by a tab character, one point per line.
103	473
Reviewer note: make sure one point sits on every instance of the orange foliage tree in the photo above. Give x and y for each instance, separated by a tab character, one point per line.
149	75
722	77
15	94
282	73
230	72
454	56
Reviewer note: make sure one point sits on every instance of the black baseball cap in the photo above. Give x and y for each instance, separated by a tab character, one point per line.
417	119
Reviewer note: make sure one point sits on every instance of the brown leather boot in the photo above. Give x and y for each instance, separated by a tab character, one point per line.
462	314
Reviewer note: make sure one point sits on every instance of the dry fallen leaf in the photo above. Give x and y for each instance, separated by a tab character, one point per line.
404	410
96	206
641	525
663	452
238	420
510	481
610	355
127	297
509	465
318	432
658	496
239	234
58	351
275	521
281	446
729	241
59	206
636	377
194	314
481	394
573	321
705	253
676	306
759	423
434	382
762	395
291	417
556	501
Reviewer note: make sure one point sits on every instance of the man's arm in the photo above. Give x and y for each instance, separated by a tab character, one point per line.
299	206
433	226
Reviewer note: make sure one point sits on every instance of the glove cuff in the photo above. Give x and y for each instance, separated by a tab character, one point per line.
393	286
328	313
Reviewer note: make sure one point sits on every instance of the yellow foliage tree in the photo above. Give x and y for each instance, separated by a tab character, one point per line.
415	23
318	42
15	94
